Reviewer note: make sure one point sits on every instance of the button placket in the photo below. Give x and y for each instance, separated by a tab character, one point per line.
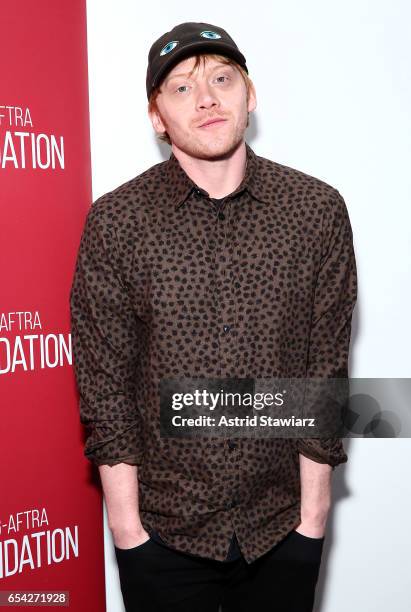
227	311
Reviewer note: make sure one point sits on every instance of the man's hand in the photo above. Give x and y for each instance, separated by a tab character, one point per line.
315	497
311	530
127	539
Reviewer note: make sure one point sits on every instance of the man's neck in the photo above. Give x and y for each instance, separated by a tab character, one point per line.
218	177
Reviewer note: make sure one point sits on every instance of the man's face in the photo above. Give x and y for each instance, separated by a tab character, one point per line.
214	91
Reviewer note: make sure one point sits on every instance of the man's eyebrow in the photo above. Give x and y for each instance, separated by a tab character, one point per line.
184	74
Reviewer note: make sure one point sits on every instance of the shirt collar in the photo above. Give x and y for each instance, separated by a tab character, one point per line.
180	185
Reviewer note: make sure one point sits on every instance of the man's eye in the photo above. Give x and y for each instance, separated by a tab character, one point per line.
181	86
223	76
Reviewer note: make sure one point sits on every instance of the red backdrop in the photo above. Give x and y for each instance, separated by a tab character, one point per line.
51	534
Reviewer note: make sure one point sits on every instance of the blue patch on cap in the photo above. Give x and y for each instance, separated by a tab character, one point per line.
209	34
169	47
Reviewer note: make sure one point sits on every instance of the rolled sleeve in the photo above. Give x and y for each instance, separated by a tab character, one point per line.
106	346
334	301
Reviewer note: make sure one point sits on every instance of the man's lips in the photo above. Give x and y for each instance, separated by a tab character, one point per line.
212	122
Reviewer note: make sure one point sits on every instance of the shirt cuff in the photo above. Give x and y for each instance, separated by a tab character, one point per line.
328	450
130	460
113	442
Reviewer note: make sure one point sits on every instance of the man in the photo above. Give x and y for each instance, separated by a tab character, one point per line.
216	263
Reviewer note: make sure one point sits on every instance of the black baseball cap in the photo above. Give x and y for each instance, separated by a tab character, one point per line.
184	40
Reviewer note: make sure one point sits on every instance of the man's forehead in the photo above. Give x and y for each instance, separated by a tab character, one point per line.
184	67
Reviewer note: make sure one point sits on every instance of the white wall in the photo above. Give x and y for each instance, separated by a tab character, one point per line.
334	94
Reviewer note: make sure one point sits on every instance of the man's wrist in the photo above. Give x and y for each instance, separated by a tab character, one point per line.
315	517
119	531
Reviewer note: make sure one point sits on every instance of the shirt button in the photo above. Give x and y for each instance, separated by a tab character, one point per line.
226	328
231	444
221	216
232	504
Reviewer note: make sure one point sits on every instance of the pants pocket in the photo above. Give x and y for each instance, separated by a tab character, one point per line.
126	555
300	548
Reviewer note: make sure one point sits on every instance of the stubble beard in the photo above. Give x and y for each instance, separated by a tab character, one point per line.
208	147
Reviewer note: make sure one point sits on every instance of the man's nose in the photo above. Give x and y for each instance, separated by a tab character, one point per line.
206	97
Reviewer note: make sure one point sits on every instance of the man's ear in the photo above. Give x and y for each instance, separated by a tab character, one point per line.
252	98
157	122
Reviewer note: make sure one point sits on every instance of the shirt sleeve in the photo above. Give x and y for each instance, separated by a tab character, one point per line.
105	343
334	300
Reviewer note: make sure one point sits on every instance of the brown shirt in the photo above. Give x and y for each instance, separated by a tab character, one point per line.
167	286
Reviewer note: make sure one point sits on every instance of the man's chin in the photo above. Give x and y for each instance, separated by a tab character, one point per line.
212	150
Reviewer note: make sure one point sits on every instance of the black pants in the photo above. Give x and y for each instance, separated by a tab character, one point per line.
156	578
